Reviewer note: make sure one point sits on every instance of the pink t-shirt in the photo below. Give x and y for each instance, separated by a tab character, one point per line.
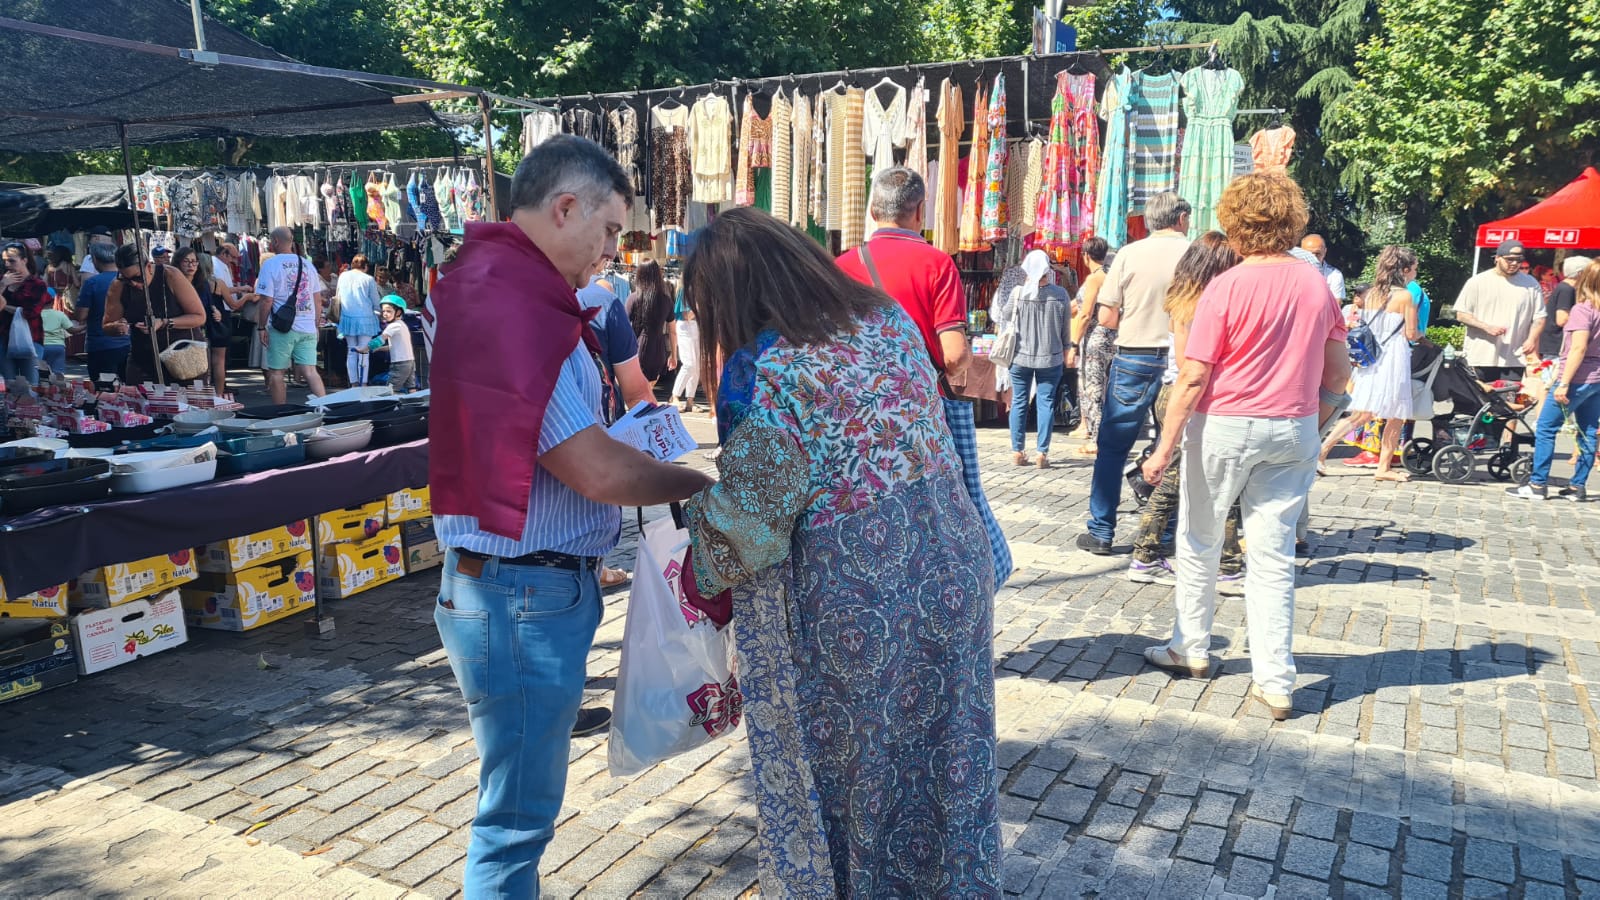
1264	328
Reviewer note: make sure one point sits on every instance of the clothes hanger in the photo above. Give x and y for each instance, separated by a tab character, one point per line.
1162	63
1276	121
1077	67
1216	60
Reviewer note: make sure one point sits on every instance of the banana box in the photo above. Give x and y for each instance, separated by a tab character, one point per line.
344	570
37	660
240	601
108	586
41	604
354	523
107	638
421	545
409	505
240	553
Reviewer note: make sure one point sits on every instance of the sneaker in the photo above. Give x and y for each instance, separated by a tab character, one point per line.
1089	542
1157	572
1529	492
1366	459
1574	493
1230	582
1302	549
591	720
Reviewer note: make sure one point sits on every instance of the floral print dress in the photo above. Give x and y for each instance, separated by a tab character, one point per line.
862	616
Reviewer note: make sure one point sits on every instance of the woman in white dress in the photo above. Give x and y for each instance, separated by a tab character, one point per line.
1383	389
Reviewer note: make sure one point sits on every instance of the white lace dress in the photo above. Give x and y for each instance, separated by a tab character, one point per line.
1384	388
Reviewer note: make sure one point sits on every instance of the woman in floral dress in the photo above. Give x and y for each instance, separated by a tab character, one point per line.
862	613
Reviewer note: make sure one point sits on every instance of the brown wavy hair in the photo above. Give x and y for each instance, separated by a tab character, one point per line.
749	272
1390	276
1263	213
1206	258
1587	285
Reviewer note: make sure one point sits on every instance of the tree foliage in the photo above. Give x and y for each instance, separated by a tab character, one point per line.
1463	103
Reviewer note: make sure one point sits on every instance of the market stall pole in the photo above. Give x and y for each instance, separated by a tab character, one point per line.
138	241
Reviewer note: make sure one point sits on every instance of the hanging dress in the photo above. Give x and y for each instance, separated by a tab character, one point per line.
946	224
1153	135
800	170
1210	100
1083	131
1270	149
375	211
710	129
854	179
916	130
782	156
972	202
429	198
1111	207
671	180
391	202
755	151
996	211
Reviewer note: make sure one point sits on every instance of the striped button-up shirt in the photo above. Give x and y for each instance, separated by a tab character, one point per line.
559	518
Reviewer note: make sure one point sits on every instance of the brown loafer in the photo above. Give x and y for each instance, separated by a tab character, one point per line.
1164	659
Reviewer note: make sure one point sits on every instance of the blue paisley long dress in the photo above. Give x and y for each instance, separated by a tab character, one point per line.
863	596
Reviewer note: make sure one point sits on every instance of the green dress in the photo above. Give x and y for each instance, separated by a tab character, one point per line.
1210	100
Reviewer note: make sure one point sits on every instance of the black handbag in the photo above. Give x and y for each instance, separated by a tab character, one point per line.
282	318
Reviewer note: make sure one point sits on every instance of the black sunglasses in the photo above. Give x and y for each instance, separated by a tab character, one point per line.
132	279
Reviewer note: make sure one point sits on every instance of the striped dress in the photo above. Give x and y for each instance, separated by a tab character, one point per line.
996	210
782	155
854	179
1111	208
1153	133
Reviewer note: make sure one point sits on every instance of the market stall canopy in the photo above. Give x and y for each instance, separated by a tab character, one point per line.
67	94
1569	219
82	201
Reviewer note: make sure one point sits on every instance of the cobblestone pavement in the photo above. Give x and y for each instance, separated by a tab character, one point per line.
1444	743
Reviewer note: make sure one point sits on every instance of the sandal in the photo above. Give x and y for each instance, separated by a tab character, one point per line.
1086	451
610	578
1396	477
1019	458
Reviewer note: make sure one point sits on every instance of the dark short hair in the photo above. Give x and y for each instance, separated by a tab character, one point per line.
1096	249
128	255
566	164
749	272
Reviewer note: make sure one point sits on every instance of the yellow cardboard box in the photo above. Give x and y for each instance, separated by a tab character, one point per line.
240	553
110	585
41	604
344	570
354	523
409	505
240	601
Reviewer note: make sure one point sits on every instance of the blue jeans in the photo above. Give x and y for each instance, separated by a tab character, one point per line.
1583	400
54	356
1022	378
1131	390
20	367
518	638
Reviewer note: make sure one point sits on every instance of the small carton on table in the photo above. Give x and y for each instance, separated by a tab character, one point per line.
107	638
353	523
250	598
248	551
37	660
347	569
108	586
45	603
421	545
409	505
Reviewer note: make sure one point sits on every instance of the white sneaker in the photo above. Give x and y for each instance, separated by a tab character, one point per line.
1158	572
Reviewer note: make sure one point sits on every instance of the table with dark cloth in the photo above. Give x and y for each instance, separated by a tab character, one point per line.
977	383
55	545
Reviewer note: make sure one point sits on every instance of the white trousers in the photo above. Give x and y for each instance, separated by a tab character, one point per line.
359	365
1268	465
688	381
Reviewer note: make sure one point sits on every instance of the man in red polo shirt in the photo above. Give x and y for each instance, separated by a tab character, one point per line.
926	284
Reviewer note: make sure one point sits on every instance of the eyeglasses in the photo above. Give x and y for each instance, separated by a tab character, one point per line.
132	279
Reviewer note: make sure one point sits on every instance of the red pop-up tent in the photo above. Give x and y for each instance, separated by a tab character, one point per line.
1569	219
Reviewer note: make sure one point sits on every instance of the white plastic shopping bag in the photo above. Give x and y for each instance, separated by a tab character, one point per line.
677	687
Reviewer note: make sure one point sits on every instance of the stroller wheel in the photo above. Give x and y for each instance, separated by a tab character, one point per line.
1453	464
1417	456
1522	469
1500	464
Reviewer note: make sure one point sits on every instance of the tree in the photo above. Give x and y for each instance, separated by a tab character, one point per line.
1471	104
1113	23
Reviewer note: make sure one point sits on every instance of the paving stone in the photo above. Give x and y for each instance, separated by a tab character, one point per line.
1293	887
1168	811
1215	808
1365	864
1428	859
1110	822
1067	803
1540	864
1248	877
1270	806
1316	820
1414	888
1258	839
1309	856
1491	860
1375	830
1201	843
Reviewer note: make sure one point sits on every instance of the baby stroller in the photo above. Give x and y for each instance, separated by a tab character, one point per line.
1474	426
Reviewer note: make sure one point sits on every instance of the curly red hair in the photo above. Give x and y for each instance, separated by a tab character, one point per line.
1263	213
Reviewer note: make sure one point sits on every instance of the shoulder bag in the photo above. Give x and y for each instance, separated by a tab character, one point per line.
185	359
282	318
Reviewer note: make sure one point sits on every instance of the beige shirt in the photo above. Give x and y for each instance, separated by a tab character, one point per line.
1511	303
1137	285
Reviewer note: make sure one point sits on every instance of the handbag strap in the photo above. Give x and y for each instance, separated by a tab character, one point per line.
872	267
